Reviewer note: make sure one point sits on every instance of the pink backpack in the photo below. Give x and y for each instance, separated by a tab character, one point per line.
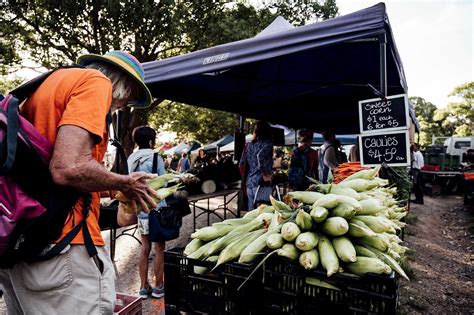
33	210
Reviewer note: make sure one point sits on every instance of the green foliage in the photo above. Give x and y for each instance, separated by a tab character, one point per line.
7	85
193	123
457	119
52	32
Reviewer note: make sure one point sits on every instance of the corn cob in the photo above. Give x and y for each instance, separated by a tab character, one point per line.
344	249
368	264
343	210
234	249
275	241
328	201
290	231
328	256
306	241
307	197
192	246
289	251
309	260
304	221
335	226
255	248
319	214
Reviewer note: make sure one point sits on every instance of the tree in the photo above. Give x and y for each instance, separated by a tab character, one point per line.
458	117
425	112
53	32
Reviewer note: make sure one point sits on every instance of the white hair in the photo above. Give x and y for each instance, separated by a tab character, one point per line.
123	85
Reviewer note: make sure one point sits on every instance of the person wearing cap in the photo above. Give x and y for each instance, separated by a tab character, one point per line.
70	109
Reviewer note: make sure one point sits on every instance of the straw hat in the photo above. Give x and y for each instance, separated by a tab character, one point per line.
127	63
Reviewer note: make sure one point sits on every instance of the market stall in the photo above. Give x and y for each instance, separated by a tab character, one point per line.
312	77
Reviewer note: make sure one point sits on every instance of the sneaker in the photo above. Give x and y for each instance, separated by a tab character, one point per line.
158	292
144	293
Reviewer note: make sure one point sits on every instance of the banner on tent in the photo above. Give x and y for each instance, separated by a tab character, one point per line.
384	115
389	147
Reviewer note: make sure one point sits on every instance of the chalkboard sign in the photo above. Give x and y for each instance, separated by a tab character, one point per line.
376	114
389	147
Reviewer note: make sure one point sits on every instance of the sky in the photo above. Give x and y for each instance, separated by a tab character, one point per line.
435	40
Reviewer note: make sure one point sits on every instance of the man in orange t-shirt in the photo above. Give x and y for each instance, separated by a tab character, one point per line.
69	109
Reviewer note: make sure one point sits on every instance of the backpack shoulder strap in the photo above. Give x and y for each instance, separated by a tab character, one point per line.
154	167
12	134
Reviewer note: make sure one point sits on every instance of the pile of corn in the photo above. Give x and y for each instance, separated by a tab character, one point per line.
349	227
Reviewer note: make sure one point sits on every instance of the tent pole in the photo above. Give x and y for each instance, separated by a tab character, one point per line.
383	63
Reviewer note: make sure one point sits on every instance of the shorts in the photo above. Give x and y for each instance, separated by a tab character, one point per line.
142	224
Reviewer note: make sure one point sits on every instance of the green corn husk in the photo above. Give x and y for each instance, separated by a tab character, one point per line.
234	249
374	241
389	261
368	264
350	201
364	251
309	260
335	226
343	210
164	193
290	231
345	191
328	201
304	221
376	224
356	230
193	246
306	197
344	249
275	241
160	181
370	206
289	251
255	248
319	214
320	283
306	241
224	241
210	233
357	184
233	222
364	174
200	253
279	205
327	255
252	214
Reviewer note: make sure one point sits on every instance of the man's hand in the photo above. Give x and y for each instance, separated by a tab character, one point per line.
139	191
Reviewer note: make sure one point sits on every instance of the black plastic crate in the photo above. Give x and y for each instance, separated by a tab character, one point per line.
288	289
213	292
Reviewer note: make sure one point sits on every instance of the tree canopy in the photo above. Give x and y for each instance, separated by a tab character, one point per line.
456	119
52	32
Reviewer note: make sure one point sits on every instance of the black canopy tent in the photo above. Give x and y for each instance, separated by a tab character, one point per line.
310	76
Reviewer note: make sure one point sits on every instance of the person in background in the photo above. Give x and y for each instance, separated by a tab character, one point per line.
327	156
277	159
201	159
354	153
183	164
142	160
417	164
304	162
256	165
70	109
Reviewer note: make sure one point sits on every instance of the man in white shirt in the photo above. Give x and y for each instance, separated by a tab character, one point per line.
417	163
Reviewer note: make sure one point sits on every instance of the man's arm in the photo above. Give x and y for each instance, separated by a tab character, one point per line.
72	165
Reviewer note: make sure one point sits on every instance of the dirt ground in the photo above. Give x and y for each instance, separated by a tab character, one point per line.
440	235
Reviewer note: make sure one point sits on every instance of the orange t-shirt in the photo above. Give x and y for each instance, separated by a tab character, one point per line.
79	97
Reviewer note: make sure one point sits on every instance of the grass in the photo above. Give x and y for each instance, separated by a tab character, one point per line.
408	269
411	219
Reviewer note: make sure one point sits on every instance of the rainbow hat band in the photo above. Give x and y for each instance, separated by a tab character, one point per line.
127	63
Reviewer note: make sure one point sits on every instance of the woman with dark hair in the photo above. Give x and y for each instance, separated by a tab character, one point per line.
256	165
